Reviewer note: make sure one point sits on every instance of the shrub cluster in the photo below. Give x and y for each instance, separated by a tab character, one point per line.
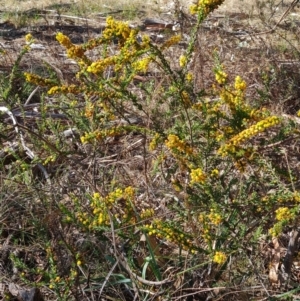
211	155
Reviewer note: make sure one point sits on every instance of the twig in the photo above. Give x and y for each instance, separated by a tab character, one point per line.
108	276
28	151
115	250
51	146
289	169
292	5
30	96
258	276
70	17
288	259
272	145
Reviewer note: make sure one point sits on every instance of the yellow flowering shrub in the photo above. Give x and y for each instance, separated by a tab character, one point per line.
219	257
154	142
240	84
189	77
141	65
171	41
170	232
182	61
118	205
221	77
176	144
207	173
29	38
37	80
248	133
214	217
284	213
197	176
205	6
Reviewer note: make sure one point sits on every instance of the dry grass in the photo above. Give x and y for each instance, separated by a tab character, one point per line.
86	8
252	7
